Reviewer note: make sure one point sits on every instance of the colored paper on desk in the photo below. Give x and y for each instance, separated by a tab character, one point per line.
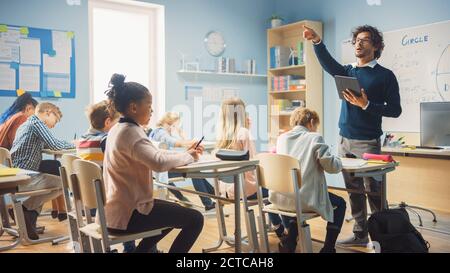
9	171
385	158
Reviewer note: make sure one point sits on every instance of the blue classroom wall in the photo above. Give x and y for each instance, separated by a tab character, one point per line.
56	14
243	24
339	17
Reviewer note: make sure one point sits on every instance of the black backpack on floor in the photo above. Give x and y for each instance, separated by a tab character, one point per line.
392	229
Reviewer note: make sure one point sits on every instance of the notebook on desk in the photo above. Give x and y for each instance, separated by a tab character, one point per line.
8	171
205	159
352	162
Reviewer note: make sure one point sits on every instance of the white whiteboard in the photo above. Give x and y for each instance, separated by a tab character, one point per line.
420	59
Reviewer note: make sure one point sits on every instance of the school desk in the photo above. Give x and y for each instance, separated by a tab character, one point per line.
216	170
10	184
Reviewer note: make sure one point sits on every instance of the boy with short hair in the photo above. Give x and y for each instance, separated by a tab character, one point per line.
26	153
92	144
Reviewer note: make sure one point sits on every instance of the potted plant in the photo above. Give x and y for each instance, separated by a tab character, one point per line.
275	20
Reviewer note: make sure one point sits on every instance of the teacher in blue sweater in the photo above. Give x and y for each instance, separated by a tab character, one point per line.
360	118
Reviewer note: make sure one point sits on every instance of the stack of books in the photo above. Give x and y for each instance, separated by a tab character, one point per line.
283	104
250	67
226	65
288	82
297	85
279	56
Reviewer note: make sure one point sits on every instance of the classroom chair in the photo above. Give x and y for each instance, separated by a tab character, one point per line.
74	206
87	178
5	159
21	232
281	173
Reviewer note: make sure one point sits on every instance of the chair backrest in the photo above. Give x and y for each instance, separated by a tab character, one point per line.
87	173
5	157
67	161
275	172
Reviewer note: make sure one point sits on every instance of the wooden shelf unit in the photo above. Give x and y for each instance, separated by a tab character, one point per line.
289	35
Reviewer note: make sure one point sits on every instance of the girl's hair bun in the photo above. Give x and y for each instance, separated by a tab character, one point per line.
117	80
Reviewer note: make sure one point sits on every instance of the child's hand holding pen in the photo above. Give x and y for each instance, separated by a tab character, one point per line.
196	149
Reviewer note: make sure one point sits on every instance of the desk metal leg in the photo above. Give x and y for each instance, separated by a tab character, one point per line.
383	196
4	212
249	221
220	221
237	214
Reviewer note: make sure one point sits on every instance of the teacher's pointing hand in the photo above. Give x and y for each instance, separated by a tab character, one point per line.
310	34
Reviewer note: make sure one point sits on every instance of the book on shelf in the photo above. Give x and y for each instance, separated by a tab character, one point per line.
250	66
282	104
279	56
300	53
226	65
288	82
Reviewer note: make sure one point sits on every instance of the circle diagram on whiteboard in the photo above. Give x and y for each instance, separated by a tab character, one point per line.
443	74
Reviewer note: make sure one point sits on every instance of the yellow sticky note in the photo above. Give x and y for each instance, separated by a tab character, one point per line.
20	92
9	171
70	34
3	28
24	30
57	94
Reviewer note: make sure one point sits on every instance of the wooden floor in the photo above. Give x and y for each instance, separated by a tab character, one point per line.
439	242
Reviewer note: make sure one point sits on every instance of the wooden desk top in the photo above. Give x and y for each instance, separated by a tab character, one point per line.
59	152
207	166
369	166
12	181
430	152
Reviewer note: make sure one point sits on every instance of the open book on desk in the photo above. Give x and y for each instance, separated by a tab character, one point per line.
205	159
352	162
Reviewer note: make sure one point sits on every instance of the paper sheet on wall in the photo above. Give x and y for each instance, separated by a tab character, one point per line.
29	78
9	46
30	51
212	94
62	44
7	77
58	83
10	36
9	52
59	64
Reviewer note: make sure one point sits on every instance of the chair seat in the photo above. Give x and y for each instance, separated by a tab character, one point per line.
274	209
35	193
93	230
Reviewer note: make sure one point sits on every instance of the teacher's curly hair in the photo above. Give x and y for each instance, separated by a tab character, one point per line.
376	37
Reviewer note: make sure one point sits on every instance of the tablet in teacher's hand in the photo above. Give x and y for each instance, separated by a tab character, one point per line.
343	83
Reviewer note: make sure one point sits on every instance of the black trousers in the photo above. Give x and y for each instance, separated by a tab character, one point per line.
170	215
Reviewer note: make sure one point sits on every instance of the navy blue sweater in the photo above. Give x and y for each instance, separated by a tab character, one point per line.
381	87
